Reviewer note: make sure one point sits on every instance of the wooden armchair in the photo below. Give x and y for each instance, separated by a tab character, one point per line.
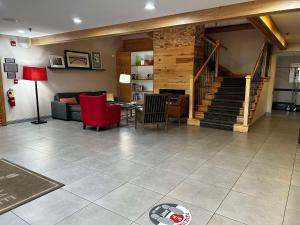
180	108
154	110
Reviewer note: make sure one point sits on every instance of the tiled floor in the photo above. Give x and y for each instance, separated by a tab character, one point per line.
114	177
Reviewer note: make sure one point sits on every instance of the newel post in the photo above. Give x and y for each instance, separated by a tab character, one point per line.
191	101
247	100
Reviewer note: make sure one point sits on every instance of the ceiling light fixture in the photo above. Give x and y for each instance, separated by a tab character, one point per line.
77	20
150	6
21	31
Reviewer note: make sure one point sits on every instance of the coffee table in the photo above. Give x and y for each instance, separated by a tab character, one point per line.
129	108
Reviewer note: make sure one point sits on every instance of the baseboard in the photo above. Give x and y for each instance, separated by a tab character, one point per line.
26	120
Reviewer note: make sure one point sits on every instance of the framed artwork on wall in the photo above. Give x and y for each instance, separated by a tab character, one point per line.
96	61
78	59
57	61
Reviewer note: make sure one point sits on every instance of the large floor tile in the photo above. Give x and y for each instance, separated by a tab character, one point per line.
149	158
94	186
294	198
94	215
124	170
263	188
199	194
129	201
292	217
296	178
180	165
11	219
216	176
69	175
51	208
235	164
199	216
158	180
251	210
221	220
277	159
267	171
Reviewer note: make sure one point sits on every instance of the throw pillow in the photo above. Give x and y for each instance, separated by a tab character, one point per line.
110	97
70	101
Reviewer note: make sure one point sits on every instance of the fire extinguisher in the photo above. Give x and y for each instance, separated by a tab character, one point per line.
11	97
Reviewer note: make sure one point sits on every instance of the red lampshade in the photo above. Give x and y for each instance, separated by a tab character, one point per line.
34	73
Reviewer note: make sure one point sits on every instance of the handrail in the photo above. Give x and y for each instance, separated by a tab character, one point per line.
206	62
213	41
258	59
252	83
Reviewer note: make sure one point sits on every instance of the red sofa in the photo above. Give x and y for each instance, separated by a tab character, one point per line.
97	113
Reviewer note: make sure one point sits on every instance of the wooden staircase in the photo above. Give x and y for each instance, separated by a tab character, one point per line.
230	101
224	106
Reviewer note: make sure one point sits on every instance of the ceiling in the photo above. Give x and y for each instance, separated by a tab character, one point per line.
289	25
47	17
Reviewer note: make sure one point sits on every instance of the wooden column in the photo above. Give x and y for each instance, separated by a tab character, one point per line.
247	100
2	103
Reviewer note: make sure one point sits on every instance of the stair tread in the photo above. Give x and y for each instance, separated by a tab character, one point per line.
229	108
222	113
213	120
215	125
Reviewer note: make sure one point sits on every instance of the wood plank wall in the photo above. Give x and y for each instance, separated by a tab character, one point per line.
123	65
175	52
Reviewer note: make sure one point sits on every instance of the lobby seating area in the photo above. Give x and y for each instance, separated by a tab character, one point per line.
66	106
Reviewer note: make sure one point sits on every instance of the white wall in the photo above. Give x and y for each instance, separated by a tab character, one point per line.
58	80
243	49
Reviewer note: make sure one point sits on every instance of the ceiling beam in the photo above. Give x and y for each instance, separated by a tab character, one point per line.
267	26
229	28
242	10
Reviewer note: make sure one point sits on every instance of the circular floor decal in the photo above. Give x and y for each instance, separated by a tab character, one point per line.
170	214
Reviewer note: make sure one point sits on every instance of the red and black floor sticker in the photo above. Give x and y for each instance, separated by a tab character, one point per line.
170	214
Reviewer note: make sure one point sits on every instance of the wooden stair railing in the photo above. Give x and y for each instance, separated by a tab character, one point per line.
253	82
204	79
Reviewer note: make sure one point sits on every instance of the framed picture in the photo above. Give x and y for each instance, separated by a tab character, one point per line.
57	61
9	60
10	67
78	59
96	61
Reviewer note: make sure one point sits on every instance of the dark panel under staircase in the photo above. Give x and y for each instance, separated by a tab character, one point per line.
225	107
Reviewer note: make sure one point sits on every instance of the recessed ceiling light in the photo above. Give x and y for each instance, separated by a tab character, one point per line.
77	20
21	31
150	6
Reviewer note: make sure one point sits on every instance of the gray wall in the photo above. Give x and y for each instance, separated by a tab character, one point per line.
58	80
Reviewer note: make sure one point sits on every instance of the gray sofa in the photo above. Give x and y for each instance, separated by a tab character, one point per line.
65	111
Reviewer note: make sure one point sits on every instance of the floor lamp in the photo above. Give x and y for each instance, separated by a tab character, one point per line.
36	74
124	79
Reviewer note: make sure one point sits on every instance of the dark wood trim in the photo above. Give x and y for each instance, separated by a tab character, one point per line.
241	10
3	121
230	28
285	89
267	26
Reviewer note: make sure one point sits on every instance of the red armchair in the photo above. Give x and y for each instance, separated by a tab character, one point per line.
97	113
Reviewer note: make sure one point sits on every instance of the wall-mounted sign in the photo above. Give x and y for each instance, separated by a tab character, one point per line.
10	67
170	214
